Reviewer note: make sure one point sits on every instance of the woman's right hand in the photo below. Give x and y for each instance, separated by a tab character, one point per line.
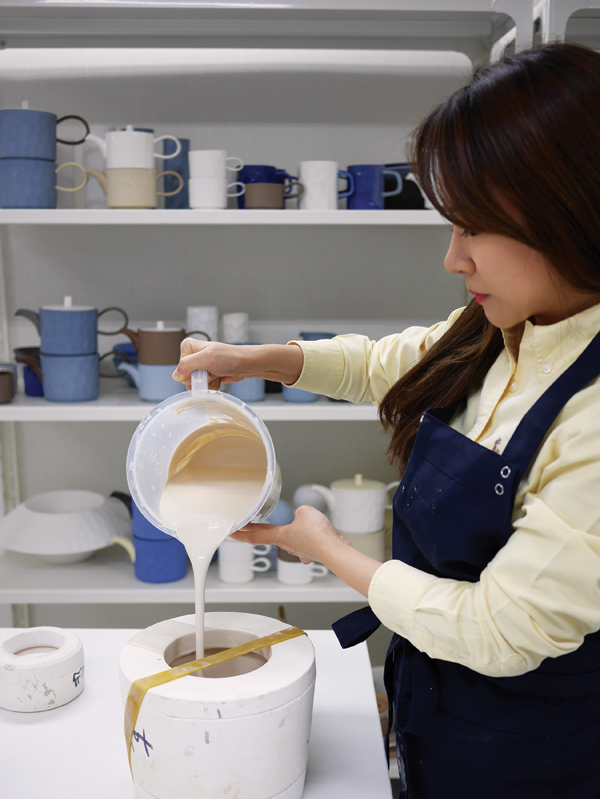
230	363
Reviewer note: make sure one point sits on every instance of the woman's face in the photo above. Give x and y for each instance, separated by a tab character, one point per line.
511	281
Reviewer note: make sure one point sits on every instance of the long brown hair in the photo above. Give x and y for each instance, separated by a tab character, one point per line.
523	135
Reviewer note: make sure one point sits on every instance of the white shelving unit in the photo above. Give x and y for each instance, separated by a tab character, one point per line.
473	27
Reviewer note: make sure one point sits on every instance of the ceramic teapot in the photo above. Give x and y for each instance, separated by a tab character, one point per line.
131	149
66	526
356	505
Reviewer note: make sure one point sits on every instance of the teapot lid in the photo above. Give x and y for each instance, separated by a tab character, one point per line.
358	483
160	328
67	306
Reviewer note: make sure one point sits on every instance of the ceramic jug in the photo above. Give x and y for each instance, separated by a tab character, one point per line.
69	329
131	187
356	505
131	149
158	350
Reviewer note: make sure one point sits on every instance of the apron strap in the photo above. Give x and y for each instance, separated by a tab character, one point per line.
534	426
356	627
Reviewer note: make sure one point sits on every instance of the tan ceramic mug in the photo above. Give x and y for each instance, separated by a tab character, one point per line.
132	188
270	195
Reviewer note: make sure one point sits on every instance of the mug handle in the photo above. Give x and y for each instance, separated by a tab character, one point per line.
388	487
106	354
80	119
350	180
261	565
72	163
318	570
291	185
171	155
170	193
234	168
113	332
239	193
398	177
262	549
197	333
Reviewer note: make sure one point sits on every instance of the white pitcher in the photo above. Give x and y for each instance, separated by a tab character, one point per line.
131	149
356	505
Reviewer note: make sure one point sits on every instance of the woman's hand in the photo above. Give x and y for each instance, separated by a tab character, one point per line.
230	363
311	536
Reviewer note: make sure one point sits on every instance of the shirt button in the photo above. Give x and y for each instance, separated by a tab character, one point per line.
547	368
513	387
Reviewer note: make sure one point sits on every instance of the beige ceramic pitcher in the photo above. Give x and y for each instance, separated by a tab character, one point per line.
132	188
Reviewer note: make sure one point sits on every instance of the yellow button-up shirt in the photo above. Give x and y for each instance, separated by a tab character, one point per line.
540	595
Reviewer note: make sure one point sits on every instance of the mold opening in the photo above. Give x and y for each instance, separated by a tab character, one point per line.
34	642
36	650
182	651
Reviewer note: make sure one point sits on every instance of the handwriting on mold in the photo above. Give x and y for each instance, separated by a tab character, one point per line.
142	737
78	676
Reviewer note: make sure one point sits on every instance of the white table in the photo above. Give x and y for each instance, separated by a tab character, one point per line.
78	751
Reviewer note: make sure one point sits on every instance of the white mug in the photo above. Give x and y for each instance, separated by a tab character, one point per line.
203	317
235	328
356	505
212	163
320	181
237	561
131	149
212	193
292	571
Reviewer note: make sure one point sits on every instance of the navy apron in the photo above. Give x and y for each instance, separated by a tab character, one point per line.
460	734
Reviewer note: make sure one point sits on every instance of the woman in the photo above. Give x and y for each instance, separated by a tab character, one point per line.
494	590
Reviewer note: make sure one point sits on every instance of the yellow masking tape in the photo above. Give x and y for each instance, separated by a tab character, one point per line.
139	687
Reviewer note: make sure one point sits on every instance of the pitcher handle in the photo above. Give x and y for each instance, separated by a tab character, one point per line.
119	310
199	382
85	176
80	119
170	193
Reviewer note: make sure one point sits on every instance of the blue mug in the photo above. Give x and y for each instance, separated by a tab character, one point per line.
71	378
411	197
159	558
305	336
298	395
369	193
179	164
31	182
261	173
252	389
25	133
70	329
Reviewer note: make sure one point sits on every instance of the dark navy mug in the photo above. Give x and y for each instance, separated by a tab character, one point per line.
159	558
410	198
25	133
369	192
179	164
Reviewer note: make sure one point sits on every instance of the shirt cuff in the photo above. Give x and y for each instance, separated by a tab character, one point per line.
394	593
323	366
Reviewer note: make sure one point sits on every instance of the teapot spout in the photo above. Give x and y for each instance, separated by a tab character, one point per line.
132	336
100	143
33	316
100	177
132	370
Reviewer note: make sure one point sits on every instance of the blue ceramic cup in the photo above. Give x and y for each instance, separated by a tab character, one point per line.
252	389
31	182
70	378
159	558
369	193
25	133
298	395
154	381
179	164
411	197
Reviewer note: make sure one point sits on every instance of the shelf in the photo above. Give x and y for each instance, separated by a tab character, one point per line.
387	24
124	405
108	578
111	216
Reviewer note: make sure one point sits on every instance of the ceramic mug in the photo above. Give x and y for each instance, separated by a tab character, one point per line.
131	149
235	328
411	196
203	317
369	193
356	505
291	394
132	188
252	389
71	378
270	195
320	181
160	345
70	329
159	557
26	133
208	185
237	561
292	571
31	182
7	385
266	197
154	381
